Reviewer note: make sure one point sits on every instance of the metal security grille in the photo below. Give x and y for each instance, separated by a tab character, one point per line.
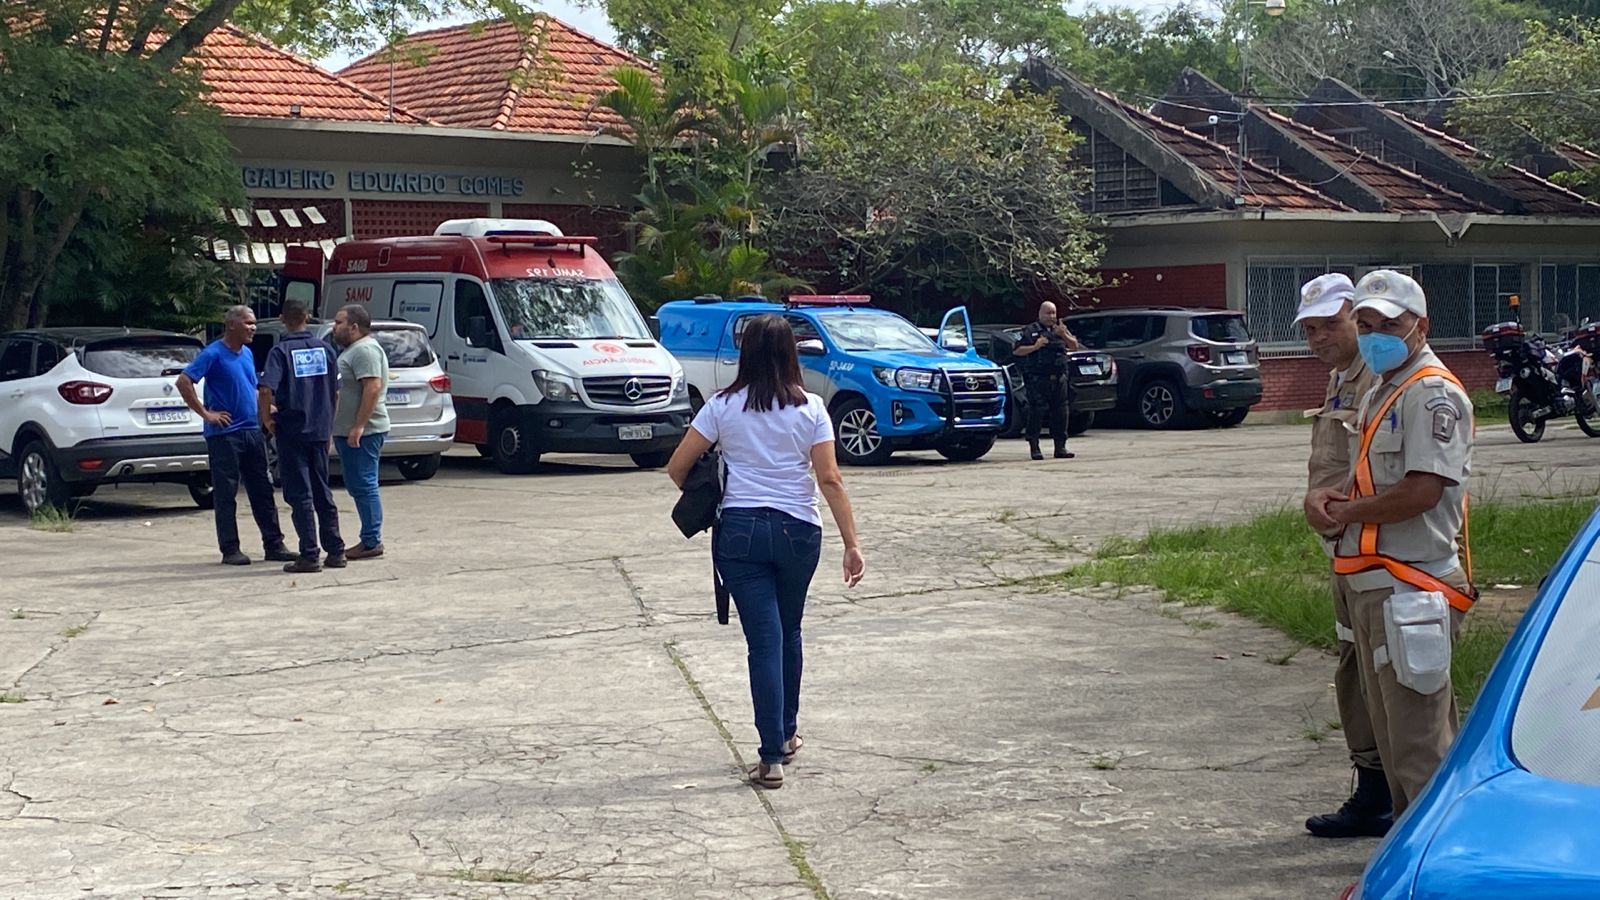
1570	296
1464	297
1120	182
628	390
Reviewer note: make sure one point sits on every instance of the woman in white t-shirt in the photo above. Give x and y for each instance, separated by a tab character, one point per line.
772	435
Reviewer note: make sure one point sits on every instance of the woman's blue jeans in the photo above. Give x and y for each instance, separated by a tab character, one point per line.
767	559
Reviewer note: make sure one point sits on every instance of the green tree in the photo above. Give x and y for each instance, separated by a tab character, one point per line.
1545	92
653	119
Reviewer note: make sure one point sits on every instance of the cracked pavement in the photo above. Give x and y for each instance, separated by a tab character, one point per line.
528	696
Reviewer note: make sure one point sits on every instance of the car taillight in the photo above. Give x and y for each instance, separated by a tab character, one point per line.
85	393
440	383
1200	353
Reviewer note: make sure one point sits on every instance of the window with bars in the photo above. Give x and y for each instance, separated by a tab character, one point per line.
1272	297
1569	295
1119	182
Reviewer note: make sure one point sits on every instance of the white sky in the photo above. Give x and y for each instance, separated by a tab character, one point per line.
592	20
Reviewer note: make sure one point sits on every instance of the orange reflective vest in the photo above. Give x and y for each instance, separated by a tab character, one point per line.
1369	559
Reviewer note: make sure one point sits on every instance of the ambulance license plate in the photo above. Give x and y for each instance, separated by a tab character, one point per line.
635	432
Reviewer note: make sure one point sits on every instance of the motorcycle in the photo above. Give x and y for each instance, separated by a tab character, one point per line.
1544	381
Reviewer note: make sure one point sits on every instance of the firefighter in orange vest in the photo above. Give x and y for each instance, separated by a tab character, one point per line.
1330	328
1407	582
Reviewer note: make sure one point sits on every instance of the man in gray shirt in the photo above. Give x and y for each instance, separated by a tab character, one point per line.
361	421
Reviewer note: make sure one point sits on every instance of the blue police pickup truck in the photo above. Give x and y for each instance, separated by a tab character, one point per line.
887	385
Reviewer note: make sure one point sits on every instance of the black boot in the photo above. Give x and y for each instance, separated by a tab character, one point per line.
1033	450
1062	452
1368	812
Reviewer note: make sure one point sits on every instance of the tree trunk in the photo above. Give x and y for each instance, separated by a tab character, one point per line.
207	20
111	23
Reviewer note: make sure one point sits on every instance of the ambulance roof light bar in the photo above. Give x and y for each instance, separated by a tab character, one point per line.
541	240
829	300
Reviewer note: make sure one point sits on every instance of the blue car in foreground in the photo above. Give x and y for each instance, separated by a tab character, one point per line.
1512	812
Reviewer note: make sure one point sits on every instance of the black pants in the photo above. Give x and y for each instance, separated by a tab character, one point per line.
241	456
1047	395
303	467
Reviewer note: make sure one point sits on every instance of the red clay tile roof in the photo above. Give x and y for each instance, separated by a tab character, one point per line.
1262	186
1537	195
1402	189
250	78
491	75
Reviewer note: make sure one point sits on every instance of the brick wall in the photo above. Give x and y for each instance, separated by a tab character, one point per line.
1200	286
406	218
1298	383
606	223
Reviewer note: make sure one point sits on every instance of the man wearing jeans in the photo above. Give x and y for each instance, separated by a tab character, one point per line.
298	388
236	450
361	421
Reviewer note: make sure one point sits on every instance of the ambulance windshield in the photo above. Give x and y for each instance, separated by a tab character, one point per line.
568	308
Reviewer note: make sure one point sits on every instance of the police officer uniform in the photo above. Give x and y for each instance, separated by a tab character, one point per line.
1404	585
1366	813
1045	375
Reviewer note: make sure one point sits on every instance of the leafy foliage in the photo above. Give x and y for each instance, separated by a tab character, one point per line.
1551	82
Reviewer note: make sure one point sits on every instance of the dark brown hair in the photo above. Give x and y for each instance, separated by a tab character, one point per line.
768	366
357	315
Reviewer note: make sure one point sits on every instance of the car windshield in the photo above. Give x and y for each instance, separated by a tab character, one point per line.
1221	329
570	308
868	331
407	348
1557	722
140	358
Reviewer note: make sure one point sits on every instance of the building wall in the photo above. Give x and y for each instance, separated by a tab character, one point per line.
1196	285
1298	382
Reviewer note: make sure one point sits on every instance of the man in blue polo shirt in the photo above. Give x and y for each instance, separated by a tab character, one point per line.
234	443
298	387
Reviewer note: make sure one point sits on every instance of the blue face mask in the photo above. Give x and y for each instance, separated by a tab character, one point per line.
1384	352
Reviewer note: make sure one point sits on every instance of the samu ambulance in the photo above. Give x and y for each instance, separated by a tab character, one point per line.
545	350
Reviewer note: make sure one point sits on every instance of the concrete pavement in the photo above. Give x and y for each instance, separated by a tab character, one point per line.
529	696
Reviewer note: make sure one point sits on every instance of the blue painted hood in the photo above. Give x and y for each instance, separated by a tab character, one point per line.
902	359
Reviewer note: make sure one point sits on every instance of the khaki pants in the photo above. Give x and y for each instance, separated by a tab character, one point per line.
1413	731
1348	692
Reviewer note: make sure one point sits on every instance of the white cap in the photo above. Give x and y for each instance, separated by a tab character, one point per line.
1325	296
1391	294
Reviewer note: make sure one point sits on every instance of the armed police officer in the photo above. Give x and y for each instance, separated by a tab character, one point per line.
1330	328
1406	583
1042	356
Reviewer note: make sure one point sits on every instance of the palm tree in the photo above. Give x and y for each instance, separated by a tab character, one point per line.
653	117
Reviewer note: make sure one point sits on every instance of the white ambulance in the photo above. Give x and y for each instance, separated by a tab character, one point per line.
545	350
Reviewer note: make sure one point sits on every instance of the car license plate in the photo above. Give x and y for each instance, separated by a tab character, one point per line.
1236	358
165	415
400	398
1503	386
1090	369
636	432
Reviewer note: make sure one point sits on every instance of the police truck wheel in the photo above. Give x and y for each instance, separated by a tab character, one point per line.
856	438
653	460
1523	425
39	483
200	491
1160	404
966	449
514	453
1078	423
418	468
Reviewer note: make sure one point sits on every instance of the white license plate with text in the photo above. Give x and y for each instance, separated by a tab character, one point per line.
1503	386
1236	358
635	432
1090	369
165	415
399	398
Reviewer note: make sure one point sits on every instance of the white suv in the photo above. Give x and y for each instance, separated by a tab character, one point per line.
80	407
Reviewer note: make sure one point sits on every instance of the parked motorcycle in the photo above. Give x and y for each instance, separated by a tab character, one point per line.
1544	381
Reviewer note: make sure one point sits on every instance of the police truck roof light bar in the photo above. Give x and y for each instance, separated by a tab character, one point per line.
829	299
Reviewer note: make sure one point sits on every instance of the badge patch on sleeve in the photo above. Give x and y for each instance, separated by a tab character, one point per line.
1444	424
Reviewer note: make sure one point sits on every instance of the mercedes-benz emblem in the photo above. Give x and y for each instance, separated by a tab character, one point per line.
633	390
972	383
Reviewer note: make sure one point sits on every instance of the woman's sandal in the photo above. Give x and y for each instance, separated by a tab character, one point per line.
791	747
765	776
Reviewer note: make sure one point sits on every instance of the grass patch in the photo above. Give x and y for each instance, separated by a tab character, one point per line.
12	697
1272	569
74	630
19	613
53	520
1490	408
494	876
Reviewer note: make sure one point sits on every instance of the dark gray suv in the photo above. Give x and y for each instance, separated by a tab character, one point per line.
1173	361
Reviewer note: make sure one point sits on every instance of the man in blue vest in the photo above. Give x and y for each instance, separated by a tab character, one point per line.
298	390
236	449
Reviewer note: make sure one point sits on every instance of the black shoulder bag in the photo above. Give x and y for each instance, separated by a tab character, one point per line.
698	509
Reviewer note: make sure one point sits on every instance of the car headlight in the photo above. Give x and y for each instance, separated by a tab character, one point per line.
555	386
916	379
680	386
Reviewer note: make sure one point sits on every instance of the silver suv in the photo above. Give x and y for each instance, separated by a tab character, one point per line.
1173	361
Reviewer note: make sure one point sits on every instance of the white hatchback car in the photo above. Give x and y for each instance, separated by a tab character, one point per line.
80	407
422	417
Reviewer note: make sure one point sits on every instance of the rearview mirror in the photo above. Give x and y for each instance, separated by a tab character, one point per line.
810	347
478	332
